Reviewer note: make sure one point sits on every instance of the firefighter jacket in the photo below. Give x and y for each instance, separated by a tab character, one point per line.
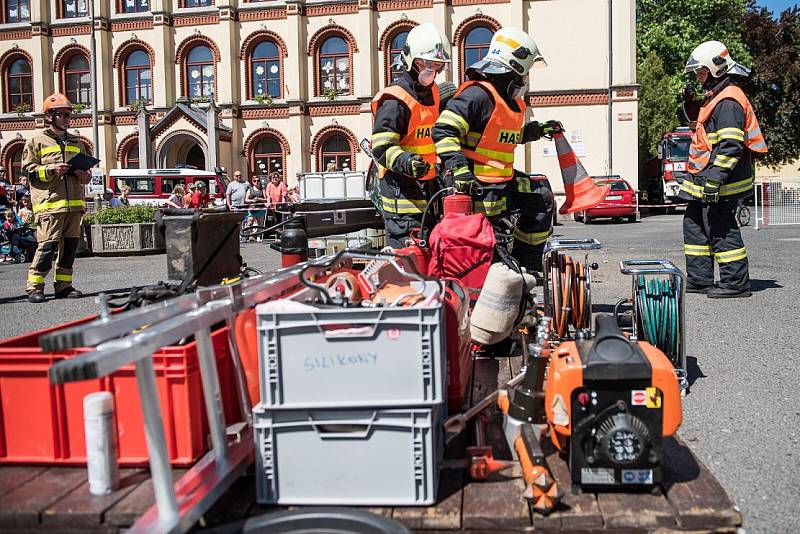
722	145
51	193
412	132
479	131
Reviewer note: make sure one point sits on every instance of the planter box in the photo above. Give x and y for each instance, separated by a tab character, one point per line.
126	238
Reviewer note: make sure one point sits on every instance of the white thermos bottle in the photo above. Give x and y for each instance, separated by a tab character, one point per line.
101	443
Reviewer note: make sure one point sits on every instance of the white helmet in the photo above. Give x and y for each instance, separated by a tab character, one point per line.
511	50
714	56
426	42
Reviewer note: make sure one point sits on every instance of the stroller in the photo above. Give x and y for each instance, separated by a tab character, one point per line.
17	245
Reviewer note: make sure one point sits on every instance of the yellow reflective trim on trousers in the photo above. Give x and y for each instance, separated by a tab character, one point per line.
35	279
63	277
403	205
490	208
502	157
531	238
422	149
391	155
725	162
697	250
448	144
455	120
730	130
729	256
58	204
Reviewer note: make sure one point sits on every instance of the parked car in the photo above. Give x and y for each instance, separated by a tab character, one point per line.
620	202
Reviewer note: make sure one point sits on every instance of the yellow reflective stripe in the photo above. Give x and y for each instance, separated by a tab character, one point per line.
73	149
63	277
474	137
57	205
503	157
403	205
455	120
461	171
391	155
384	138
490	208
35	279
524	184
730	133
49	150
448	144
697	250
531	238
510	42
486	170
423	149
42	173
731	255
736	187
692	189
725	162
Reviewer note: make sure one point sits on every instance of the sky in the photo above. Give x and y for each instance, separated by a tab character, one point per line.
777	6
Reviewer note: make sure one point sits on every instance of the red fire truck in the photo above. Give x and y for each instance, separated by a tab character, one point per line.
661	176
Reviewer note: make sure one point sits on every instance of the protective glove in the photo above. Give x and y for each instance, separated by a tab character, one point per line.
691	103
552	127
411	165
464	180
711	192
533	131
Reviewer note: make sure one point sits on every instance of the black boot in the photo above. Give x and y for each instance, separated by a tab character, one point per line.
691	288
36	296
724	293
69	293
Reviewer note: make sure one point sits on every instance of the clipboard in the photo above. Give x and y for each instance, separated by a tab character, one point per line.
83	162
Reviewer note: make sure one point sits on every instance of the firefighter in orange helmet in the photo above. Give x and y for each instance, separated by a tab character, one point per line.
57	192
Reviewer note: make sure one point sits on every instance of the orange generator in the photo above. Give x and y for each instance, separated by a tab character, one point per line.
609	404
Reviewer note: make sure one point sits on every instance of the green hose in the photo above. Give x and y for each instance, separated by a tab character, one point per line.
657	304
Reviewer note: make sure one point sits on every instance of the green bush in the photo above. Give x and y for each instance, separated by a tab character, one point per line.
88	218
124	215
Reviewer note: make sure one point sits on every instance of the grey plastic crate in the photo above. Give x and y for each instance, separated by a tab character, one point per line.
388	357
387	457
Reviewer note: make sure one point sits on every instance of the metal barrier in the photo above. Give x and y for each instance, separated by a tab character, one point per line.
777	202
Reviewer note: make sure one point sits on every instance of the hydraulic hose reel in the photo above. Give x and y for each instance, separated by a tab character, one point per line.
657	301
568	285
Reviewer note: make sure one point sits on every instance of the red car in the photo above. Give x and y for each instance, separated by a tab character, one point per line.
620	202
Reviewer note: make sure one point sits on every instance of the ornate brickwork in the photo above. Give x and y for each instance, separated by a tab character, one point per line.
59	62
15	34
262	14
132	25
470	23
125	144
569	99
331	9
264	112
327	31
324	134
5	62
259	134
397	5
195	20
325	110
475	2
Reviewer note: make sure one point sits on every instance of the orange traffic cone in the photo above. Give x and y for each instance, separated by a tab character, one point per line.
582	192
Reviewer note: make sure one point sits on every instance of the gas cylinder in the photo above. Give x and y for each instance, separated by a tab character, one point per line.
294	243
458	204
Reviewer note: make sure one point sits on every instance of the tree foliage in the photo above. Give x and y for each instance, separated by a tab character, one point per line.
774	85
657	116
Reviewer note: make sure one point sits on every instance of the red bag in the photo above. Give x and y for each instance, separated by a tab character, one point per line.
462	247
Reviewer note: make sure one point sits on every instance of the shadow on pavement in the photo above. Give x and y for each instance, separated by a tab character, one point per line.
112	293
693	370
761	285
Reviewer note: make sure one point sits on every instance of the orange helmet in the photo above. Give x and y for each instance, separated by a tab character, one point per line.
56	101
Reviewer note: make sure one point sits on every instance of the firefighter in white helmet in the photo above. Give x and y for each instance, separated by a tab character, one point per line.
477	133
403	115
720	173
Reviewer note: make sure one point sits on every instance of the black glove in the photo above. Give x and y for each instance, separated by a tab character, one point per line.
552	127
691	103
411	165
463	180
533	131
711	192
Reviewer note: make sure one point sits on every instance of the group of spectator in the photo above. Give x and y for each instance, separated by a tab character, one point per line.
256	197
15	214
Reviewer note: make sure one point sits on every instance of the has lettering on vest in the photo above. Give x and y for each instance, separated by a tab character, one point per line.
511	137
423	131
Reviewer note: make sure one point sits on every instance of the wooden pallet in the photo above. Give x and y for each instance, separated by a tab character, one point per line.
58	499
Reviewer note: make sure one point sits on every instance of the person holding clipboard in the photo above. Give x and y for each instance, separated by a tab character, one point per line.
58	169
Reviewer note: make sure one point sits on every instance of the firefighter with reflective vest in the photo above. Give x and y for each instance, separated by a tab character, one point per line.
477	133
403	116
720	174
57	192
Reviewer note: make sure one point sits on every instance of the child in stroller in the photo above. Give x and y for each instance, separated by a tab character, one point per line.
17	242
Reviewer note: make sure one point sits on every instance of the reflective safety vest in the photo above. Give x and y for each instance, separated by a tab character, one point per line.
49	192
703	143
492	151
417	138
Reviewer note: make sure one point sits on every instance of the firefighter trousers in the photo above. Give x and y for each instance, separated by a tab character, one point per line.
710	232
534	201
404	201
58	235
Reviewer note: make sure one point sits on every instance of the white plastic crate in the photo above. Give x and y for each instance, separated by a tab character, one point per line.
332	185
370	457
352	357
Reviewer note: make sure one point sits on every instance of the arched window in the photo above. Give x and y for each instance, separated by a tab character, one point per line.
77	80
267	157
395	48
476	45
334	66
14	162
17	11
134	6
200	72
336	149
138	78
265	70
74	8
19	86
131	158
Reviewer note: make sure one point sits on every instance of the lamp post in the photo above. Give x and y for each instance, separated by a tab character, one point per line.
93	54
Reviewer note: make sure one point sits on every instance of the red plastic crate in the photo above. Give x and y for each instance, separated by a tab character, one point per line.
43	424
